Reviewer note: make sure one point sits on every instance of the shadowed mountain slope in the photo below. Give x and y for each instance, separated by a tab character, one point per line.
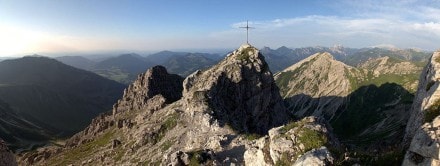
57	99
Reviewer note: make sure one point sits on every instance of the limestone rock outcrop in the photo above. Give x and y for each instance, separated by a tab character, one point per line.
428	94
425	145
321	156
297	142
152	91
240	91
156	81
7	158
422	131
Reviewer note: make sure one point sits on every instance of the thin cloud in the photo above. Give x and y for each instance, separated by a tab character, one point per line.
353	32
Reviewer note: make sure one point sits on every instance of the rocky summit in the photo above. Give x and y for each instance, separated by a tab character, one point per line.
240	91
155	83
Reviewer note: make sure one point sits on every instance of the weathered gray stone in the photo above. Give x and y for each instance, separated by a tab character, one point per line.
427	93
156	81
425	146
279	147
423	140
316	157
240	91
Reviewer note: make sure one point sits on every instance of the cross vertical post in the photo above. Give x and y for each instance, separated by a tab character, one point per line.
247	27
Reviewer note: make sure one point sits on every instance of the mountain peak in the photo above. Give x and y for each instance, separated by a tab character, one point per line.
325	55
318	58
244	53
158	69
316	76
155	81
235	89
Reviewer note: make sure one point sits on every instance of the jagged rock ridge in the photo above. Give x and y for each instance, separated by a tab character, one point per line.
155	81
240	91
153	90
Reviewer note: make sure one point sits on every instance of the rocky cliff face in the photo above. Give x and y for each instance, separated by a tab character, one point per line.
153	90
240	91
7	158
425	145
156	81
150	92
422	128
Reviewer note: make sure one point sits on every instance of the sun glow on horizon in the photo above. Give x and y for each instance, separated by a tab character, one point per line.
16	41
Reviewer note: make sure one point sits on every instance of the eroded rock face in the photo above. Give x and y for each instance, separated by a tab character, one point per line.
152	91
427	95
156	81
319	156
298	142
7	158
425	145
423	128
240	91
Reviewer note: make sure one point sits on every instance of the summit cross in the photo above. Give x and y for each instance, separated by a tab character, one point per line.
247	31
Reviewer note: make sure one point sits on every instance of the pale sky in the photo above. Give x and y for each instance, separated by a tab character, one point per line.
81	26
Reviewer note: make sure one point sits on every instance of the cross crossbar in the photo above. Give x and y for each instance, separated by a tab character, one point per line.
247	27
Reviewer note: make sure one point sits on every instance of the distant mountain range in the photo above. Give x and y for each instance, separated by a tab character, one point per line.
125	68
44	99
283	57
